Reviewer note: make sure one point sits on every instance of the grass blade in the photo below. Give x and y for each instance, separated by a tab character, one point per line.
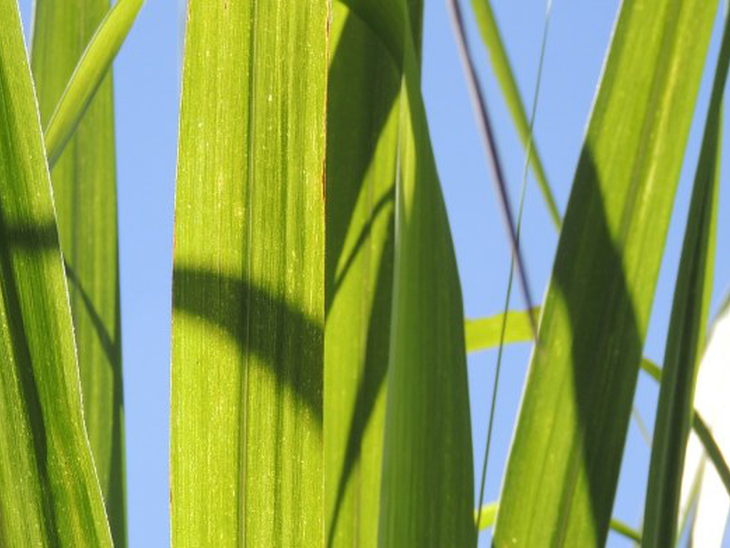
84	185
489	515
50	493
688	321
565	459
427	455
362	151
248	283
88	75
483	333
489	31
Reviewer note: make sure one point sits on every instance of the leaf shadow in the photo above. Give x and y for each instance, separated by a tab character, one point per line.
277	330
598	392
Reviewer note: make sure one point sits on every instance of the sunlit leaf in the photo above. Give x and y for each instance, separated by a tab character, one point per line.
248	284
565	459
84	185
90	71
50	495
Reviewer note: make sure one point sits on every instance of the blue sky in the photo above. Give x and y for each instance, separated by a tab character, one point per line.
147	75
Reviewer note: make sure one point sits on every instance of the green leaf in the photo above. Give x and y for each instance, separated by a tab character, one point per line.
248	284
89	73
362	149
489	513
483	333
687	327
50	493
84	186
427	453
489	31
566	454
427	458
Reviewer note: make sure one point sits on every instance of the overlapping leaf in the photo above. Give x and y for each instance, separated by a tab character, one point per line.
686	334
84	183
50	493
563	467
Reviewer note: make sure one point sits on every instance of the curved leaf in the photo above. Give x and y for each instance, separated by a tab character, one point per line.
565	459
50	493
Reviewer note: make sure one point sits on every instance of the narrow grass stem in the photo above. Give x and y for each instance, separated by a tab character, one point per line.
515	259
485	127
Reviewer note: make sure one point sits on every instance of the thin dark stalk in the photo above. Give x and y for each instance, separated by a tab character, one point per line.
485	127
515	257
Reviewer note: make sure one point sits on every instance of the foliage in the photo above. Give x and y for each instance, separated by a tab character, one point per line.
318	376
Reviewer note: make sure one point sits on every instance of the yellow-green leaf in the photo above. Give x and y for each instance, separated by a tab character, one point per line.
566	453
483	333
50	493
248	285
84	185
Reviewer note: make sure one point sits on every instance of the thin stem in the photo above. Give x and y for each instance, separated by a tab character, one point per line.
515	258
485	127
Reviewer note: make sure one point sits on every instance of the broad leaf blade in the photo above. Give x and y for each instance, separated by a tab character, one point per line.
686	333
84	184
50	493
248	284
489	31
565	459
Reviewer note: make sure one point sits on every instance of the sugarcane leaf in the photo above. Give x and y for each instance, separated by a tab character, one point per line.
50	493
88	74
248	282
489	514
84	187
427	454
563	467
489	32
483	333
688	321
366	107
362	150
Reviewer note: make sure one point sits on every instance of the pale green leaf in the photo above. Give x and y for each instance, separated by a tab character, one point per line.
686	333
50	493
489	31
84	187
248	284
89	73
565	459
